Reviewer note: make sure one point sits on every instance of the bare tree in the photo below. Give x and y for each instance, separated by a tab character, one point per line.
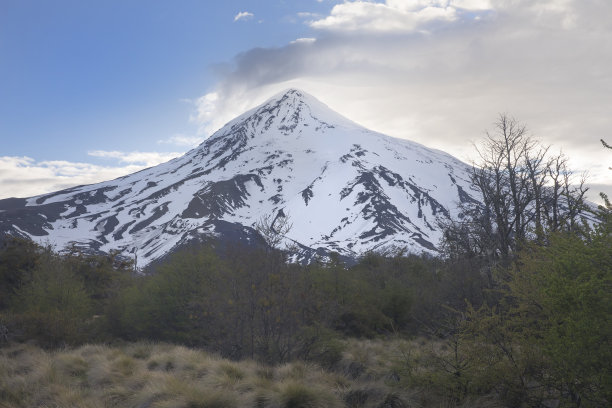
273	228
525	192
501	176
603	142
536	167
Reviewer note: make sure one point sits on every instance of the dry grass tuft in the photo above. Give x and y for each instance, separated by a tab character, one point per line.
162	375
298	395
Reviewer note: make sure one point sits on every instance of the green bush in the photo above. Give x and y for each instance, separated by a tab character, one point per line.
18	258
53	307
321	345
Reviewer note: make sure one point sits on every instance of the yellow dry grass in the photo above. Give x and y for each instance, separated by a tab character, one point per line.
372	374
162	375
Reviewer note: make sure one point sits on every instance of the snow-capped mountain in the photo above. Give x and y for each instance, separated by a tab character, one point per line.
345	189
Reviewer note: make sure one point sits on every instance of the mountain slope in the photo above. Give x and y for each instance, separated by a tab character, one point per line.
344	188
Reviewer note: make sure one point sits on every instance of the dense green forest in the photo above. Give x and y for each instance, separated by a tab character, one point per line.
517	312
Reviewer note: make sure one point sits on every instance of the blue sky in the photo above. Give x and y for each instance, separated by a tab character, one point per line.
78	76
91	90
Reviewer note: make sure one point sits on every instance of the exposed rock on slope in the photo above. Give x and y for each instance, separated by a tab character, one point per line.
346	189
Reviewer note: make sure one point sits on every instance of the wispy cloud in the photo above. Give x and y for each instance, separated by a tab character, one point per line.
22	176
243	15
306	40
25	177
147	159
182	140
307	14
208	114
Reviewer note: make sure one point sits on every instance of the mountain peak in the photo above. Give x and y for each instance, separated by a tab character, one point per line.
346	190
292	98
288	112
292	94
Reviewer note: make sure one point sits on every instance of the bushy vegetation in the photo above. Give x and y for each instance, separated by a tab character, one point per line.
249	303
524	323
540	335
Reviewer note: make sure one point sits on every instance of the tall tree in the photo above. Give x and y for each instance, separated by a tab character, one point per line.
526	192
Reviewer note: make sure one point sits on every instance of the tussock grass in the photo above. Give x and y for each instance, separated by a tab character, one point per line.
371	374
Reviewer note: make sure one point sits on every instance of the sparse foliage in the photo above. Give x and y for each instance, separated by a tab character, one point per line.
273	228
526	194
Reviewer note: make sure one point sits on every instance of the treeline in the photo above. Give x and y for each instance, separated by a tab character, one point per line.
56	299
243	303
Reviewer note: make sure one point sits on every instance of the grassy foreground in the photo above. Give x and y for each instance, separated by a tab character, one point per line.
162	375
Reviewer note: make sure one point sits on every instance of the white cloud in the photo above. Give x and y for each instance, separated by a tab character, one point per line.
472	4
182	140
307	40
307	14
208	113
243	15
26	177
391	16
147	159
394	16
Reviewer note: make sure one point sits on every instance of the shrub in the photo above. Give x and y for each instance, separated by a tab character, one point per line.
320	345
298	395
53	307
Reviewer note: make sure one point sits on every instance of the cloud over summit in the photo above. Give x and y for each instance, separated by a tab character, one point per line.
440	71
